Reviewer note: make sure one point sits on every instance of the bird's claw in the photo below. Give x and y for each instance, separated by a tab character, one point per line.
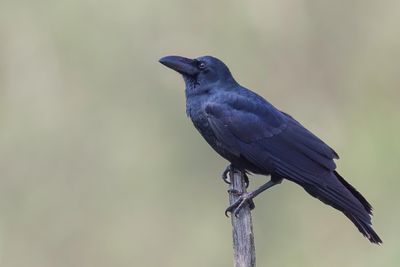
246	180
245	198
234	192
228	172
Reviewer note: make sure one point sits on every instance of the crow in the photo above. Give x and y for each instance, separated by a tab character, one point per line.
257	138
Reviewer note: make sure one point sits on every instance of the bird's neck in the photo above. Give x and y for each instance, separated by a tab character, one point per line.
194	103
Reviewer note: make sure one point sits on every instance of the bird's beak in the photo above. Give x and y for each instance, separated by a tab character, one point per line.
184	66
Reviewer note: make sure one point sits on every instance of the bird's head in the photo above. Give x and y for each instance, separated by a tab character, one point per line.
200	73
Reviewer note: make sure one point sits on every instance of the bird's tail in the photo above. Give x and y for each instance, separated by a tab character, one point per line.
365	227
349	201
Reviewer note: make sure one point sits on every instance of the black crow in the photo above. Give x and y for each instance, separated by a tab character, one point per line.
256	137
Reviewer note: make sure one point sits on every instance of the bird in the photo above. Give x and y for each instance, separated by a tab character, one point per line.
257	138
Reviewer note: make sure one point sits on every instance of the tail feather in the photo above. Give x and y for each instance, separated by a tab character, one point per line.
333	190
353	205
366	229
355	193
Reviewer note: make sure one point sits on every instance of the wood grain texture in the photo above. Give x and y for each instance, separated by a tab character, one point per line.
242	232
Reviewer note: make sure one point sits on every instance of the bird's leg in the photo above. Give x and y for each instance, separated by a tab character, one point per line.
248	197
228	173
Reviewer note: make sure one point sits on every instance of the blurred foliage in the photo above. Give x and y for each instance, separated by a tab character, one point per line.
99	165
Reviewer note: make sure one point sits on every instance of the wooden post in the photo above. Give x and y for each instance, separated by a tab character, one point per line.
242	232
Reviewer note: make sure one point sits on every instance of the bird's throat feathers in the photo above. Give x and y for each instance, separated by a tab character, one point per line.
197	87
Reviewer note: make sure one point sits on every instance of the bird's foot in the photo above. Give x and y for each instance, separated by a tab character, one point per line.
228	172
244	198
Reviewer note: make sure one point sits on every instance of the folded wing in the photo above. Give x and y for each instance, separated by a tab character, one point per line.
269	139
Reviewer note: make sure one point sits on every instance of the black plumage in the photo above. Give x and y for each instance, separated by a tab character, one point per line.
256	137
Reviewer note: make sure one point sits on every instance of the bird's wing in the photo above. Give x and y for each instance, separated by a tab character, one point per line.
273	140
269	139
260	132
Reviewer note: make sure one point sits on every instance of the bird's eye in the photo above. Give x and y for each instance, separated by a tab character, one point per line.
201	65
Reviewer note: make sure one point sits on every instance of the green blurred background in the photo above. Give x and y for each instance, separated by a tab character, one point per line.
99	165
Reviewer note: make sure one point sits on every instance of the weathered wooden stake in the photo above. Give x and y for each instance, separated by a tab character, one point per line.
242	232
